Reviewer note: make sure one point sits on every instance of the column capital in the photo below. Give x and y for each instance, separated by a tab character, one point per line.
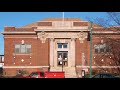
52	39
73	39
42	35
82	36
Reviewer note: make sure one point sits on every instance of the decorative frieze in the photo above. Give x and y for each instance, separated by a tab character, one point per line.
81	35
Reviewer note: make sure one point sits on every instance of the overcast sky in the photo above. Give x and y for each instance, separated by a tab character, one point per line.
19	19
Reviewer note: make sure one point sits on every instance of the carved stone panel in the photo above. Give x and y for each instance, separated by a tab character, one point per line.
42	36
82	36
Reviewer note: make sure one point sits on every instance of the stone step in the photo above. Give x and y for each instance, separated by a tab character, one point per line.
70	72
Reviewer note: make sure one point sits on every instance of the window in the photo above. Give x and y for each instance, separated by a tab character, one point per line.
59	45
19	48
62	45
108	49
101	48
65	45
22	49
28	48
96	48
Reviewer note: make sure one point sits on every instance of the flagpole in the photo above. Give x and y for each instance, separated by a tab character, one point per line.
63	17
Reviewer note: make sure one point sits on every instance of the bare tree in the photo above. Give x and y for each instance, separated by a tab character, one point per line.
112	45
110	55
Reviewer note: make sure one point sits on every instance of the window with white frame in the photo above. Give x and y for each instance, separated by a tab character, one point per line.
23	48
101	48
62	45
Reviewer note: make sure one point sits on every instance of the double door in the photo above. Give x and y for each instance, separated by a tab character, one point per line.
62	58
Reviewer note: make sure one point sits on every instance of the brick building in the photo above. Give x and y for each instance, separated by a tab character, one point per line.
50	44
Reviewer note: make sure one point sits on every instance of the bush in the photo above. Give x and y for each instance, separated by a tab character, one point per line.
23	72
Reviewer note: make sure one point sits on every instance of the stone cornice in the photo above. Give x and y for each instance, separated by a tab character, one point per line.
11	33
58	29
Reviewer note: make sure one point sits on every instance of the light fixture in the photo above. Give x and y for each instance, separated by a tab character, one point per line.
94	57
14	57
30	57
30	63
14	63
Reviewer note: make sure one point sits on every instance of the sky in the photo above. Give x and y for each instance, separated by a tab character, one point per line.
19	19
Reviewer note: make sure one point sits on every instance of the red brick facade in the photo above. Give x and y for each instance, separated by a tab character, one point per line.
39	58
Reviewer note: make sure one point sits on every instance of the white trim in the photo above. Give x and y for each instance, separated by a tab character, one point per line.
24	66
99	66
66	29
21	37
18	32
100	32
60	20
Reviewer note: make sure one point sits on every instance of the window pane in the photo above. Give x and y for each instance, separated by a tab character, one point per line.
17	48
59	45
22	48
64	55
65	45
101	49
96	50
108	49
28	48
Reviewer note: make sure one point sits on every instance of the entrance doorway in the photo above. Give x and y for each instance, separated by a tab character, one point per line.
62	58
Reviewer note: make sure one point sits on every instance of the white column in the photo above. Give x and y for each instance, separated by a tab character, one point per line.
51	52
72	52
55	54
